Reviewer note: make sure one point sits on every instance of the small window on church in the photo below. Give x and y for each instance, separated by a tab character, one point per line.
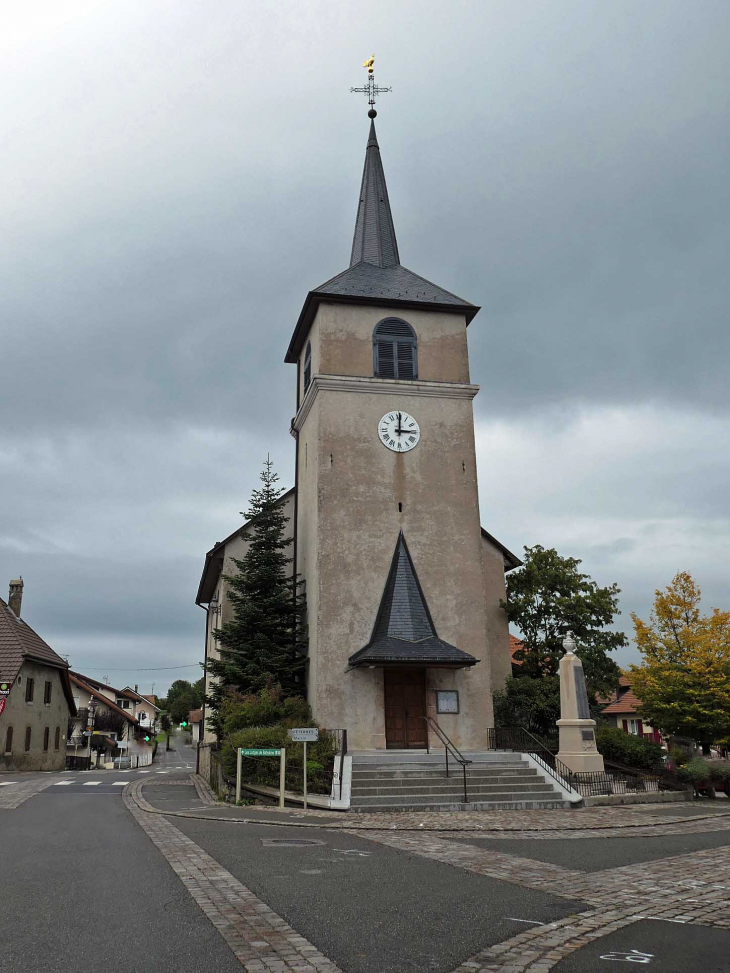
394	350
307	366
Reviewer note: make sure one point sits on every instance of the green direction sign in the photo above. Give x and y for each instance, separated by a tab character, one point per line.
260	753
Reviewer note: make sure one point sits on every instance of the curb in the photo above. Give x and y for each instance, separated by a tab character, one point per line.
135	792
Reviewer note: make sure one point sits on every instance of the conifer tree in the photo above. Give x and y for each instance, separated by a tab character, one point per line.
263	644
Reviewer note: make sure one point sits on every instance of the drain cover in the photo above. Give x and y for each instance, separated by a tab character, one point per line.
288	842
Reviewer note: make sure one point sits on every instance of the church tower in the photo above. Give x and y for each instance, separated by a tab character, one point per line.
402	584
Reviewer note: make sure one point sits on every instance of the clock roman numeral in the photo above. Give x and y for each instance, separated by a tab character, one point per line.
411	439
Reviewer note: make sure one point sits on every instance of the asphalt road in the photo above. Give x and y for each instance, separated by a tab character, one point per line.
369	907
84	889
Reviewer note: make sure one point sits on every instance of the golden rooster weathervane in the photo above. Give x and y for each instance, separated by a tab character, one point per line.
371	89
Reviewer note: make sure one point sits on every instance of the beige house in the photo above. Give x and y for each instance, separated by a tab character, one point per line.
403	585
116	732
35	694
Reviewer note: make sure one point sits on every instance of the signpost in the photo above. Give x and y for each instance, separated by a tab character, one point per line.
260	752
306	734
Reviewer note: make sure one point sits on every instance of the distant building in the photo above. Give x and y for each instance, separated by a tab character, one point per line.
195	719
117	729
621	709
36	701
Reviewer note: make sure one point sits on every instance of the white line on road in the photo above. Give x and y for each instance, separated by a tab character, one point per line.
4	783
145	771
532	922
119	783
92	783
63	783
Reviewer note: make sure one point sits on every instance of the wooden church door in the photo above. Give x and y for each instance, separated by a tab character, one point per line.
405	709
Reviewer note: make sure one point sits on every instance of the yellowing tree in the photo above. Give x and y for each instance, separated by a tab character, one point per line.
684	680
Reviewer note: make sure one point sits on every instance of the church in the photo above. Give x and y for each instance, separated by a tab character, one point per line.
403	584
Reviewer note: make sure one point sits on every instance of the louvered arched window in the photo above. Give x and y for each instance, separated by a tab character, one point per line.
394	350
307	366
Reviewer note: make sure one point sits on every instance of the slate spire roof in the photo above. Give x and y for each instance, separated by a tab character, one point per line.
374	241
404	631
375	274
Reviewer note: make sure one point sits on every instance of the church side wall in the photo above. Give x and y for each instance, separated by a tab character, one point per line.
497	624
308	519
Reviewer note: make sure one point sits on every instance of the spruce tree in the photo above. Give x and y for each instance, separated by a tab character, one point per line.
264	644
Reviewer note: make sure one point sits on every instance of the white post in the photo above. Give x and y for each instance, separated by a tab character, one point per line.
304	759
238	775
282	776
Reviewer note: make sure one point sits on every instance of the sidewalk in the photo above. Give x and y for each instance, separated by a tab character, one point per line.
181	802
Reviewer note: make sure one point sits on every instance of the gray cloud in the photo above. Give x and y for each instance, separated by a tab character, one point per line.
175	180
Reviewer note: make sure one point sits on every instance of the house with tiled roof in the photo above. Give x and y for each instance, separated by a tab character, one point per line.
36	701
116	729
621	709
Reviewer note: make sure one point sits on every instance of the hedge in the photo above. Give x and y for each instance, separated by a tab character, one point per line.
629	749
265	770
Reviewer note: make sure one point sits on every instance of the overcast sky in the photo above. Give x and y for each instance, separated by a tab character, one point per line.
177	175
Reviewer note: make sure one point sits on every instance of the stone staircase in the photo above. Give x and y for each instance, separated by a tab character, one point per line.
403	780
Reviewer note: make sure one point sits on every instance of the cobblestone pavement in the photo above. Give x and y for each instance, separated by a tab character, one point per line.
14	794
685	889
260	939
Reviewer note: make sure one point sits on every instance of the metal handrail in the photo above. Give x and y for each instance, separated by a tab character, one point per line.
527	743
448	745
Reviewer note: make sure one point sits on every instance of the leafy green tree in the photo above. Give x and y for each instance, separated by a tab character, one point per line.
684	679
181	706
264	644
531	702
547	598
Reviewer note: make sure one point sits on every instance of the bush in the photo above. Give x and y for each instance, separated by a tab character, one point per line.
628	749
266	708
678	756
265	770
696	772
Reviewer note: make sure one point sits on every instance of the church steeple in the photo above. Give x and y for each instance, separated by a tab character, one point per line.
374	241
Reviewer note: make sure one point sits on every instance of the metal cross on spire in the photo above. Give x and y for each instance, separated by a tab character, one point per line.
371	89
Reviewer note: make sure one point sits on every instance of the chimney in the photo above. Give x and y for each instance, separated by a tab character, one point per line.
15	598
136	688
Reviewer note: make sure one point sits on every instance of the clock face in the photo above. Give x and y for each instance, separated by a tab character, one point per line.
398	431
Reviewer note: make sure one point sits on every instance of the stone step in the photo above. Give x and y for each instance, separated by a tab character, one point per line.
448	787
524	803
503	773
439	766
445	797
418	756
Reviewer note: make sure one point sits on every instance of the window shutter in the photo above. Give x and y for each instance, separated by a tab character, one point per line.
405	359
386	359
625	725
640	727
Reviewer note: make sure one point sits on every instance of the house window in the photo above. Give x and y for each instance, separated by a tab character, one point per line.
57	739
124	703
28	731
46	738
394	350
9	740
47	693
307	366
29	687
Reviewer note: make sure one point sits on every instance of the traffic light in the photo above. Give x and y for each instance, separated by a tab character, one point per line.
147	739
183	724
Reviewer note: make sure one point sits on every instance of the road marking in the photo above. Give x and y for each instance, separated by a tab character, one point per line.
145	771
92	783
162	771
532	922
63	783
5	783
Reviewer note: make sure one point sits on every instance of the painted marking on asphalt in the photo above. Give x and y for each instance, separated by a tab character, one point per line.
6	783
63	783
92	783
632	957
311	871
119	783
532	922
145	771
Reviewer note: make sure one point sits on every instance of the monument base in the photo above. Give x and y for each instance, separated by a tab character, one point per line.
578	746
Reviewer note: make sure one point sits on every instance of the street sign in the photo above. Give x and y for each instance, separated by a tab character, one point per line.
259	753
279	752
2	704
307	734
4	688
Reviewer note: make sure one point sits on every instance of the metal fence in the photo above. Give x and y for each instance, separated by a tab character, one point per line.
598	784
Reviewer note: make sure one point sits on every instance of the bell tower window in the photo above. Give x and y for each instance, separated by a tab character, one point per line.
395	350
307	366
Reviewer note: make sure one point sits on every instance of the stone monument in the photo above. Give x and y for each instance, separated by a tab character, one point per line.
577	737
